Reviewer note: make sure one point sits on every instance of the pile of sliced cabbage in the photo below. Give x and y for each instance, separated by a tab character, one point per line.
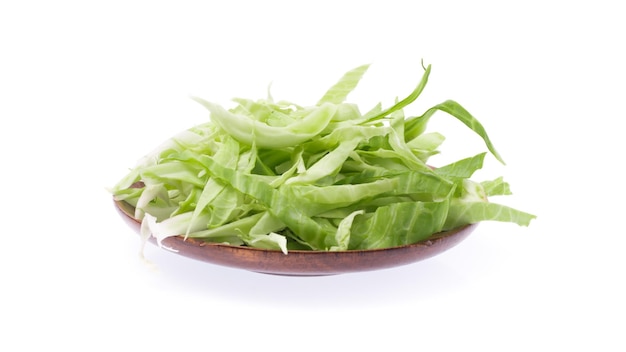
277	175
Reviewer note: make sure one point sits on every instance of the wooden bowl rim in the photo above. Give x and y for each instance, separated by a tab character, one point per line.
305	262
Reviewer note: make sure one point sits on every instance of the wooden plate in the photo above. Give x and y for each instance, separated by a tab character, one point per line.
302	262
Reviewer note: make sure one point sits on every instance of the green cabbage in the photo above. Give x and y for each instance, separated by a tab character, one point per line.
277	175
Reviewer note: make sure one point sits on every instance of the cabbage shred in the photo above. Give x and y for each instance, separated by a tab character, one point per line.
277	175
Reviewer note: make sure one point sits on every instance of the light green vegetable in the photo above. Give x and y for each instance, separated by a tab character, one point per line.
277	175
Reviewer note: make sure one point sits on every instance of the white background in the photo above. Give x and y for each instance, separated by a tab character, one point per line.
87	88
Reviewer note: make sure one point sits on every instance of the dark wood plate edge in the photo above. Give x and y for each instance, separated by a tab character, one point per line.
303	262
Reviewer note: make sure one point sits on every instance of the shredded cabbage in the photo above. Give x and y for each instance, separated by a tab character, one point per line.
277	175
